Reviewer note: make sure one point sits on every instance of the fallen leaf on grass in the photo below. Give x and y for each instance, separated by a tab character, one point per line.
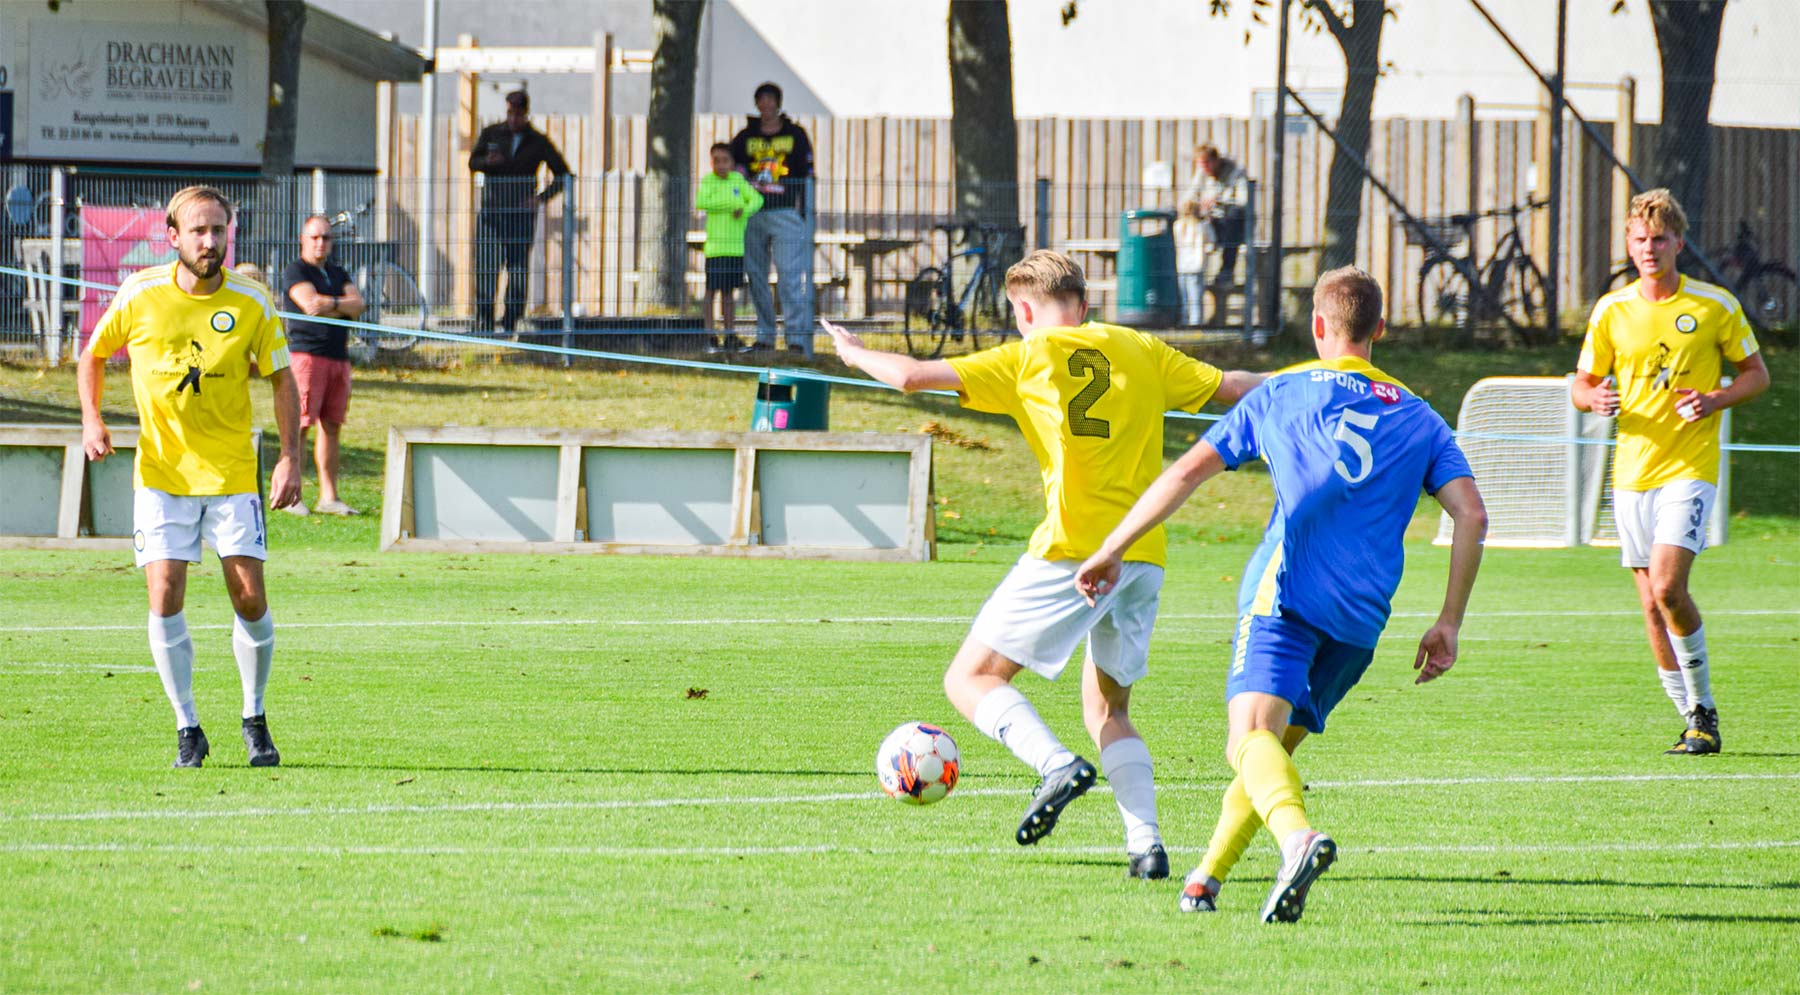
693	693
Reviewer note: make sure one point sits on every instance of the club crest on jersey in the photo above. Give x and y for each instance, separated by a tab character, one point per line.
224	321
1388	393
1686	323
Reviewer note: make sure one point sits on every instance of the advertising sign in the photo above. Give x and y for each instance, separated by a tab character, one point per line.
154	93
117	242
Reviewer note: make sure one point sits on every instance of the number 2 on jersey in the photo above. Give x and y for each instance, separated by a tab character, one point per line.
1094	363
1346	434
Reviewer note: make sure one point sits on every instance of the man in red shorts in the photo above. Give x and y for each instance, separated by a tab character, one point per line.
320	353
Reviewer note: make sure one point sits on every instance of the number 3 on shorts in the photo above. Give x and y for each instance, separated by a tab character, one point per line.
1358	445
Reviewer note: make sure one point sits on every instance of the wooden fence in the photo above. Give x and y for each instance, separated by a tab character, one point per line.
893	175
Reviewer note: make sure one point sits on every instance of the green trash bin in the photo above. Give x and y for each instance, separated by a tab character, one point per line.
788	403
1149	295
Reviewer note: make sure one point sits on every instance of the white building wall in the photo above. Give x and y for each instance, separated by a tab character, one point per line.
337	110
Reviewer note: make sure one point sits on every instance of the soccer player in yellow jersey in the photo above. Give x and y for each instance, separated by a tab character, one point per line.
1664	339
1090	400
193	331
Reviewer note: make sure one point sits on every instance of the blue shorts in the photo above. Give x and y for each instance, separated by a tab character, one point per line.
1285	656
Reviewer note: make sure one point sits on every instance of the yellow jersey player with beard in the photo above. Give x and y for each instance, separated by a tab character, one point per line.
194	332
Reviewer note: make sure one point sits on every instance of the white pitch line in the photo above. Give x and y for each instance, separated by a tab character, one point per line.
960	619
129	815
386	850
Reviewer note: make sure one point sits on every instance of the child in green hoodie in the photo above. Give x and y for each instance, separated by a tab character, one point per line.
728	200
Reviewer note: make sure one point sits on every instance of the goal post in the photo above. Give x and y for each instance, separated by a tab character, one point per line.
1545	469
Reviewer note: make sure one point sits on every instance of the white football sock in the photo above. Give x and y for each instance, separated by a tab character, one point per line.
173	653
1126	763
253	643
1003	714
1690	653
1676	688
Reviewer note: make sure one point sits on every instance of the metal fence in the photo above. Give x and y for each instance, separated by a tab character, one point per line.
609	263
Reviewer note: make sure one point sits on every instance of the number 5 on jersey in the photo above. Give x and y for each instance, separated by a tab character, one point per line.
1346	433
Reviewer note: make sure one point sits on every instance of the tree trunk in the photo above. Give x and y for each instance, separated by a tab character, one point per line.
1360	40
1687	44
268	232
668	176
983	132
287	20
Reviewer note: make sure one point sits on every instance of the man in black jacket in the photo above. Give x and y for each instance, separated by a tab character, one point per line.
778	157
510	153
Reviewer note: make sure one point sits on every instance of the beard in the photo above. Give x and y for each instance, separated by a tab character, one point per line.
204	267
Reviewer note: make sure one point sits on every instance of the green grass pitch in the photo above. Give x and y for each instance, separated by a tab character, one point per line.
501	774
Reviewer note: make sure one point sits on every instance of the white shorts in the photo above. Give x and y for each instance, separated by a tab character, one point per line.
170	526
1675	514
1035	618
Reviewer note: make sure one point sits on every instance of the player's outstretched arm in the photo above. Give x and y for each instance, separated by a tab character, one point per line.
90	380
1101	570
1468	516
892	368
1234	384
284	482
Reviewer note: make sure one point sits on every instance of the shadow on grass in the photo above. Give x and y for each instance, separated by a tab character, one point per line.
1588	882
1505	917
405	768
474	385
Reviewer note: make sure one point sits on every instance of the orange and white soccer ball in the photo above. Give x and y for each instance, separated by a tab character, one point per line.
917	763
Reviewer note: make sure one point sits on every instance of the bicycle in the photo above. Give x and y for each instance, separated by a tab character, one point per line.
390	294
1512	282
939	312
1767	288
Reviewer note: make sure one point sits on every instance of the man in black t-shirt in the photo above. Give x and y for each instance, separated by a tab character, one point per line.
509	153
320	353
777	155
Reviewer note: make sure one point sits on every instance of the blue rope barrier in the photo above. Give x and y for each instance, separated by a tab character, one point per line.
801	373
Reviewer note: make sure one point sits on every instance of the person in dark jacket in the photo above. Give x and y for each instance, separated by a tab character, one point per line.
510	153
777	155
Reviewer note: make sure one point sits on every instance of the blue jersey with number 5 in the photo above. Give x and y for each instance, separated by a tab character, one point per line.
1349	449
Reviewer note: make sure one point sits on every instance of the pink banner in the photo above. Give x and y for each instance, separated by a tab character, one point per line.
117	242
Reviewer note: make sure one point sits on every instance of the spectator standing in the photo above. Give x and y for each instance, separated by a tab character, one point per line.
1190	260
320	353
509	153
729	202
778	156
1223	192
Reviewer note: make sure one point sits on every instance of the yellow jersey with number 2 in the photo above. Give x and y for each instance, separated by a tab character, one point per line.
1090	401
1655	348
190	375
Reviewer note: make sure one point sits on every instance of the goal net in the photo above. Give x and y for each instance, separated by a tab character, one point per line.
1545	469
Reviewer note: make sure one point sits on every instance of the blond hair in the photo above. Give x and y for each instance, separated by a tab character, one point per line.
1047	275
194	194
1350	302
252	271
1659	211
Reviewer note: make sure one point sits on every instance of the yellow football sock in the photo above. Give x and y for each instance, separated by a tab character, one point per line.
1272	782
1237	826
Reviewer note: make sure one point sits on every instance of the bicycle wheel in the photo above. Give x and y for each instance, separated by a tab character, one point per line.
1771	298
990	313
926	326
392	299
1443	293
1521	294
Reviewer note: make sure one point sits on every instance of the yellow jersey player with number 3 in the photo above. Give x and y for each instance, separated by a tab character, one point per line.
1090	400
1665	339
